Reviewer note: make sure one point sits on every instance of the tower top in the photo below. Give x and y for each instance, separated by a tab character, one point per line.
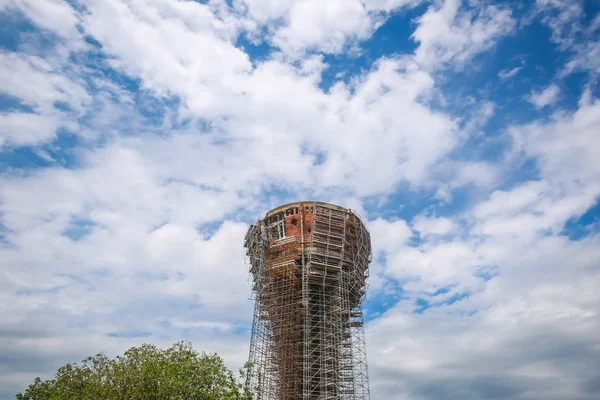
305	204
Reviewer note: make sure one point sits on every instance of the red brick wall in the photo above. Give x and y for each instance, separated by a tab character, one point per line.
294	230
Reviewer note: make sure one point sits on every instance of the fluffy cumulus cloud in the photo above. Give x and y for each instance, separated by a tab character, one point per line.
325	26
546	97
138	139
448	33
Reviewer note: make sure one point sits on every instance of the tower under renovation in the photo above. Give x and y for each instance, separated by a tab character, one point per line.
309	268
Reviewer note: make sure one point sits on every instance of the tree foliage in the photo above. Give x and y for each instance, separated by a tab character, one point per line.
145	372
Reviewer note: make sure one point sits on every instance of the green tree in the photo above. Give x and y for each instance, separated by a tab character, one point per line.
144	373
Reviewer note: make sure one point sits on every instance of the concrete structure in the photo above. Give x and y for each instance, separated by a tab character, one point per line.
309	269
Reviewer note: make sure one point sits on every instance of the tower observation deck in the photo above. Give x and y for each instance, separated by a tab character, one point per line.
309	269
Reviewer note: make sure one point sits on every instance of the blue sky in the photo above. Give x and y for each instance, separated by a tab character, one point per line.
138	139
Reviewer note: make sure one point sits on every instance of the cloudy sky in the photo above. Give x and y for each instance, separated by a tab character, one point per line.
139	138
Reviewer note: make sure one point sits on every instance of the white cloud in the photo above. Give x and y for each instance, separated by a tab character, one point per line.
502	202
563	17
54	15
458	174
509	73
447	33
175	48
39	84
265	11
333	26
387	235
586	59
324	26
566	147
389	5
433	226
42	87
26	128
481	174
480	117
546	97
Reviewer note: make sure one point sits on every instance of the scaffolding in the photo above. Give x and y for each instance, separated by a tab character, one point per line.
308	266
